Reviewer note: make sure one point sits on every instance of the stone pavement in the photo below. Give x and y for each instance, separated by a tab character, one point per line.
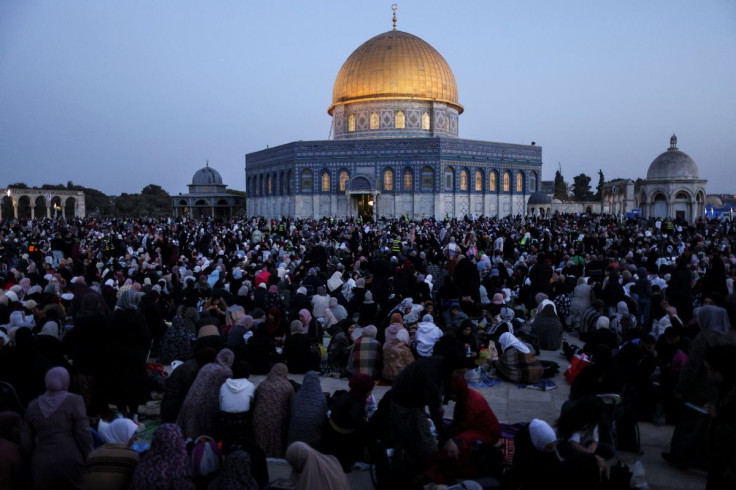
512	404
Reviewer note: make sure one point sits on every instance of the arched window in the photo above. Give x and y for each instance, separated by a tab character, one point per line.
269	185
374	120
478	180
408	179
427	179
306	180
388	180
506	181
425	120
343	179
492	182
351	122
400	120
325	181
533	182
519	182
449	174
464	180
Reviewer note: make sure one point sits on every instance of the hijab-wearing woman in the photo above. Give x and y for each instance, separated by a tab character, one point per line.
312	469
334	314
308	412
347	432
129	345
397	356
235	473
199	411
582	296
516	362
111	466
338	351
367	354
624	323
396	323
166	465
271	407
56	434
547	327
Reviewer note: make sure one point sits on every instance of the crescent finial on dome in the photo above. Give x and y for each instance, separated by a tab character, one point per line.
394	7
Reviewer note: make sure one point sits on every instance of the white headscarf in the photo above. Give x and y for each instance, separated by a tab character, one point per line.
119	431
508	340
541	434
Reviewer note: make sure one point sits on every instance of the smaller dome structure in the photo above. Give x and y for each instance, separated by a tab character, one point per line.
673	164
539	198
206	175
714	201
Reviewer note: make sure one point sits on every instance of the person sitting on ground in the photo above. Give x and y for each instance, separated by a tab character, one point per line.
300	353
236	400
426	336
308	412
312	469
517	362
397	356
111	466
367	354
546	327
338	351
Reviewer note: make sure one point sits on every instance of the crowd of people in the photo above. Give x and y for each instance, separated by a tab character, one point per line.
92	308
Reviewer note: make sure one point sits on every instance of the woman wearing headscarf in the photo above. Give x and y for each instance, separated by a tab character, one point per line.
624	323
11	461
473	424
347	431
166	465
273	325
177	342
236	401
308	412
338	351
516	361
367	354
56	434
235	473
177	385
312	469
396	323
334	314
111	466
397	356
86	344
271	407
127	355
320	302
582	296
199	410
547	327
311	326
367	310
696	387
300	352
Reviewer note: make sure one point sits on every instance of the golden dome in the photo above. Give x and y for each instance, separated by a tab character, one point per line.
395	65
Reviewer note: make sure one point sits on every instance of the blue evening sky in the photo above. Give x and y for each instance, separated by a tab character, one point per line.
115	95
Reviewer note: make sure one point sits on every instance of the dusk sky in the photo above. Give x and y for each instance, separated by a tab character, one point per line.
116	95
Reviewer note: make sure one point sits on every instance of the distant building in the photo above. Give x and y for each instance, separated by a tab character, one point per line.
207	196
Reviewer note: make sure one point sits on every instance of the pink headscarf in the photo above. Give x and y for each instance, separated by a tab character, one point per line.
307	319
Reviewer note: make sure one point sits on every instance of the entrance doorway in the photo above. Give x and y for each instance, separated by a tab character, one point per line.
365	206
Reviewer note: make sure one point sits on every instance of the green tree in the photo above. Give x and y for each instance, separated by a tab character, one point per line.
154	201
560	187
581	188
599	187
126	205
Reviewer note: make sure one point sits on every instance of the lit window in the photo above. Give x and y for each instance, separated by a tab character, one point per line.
388	180
400	120
425	121
478	180
343	179
463	180
269	189
351	122
325	181
448	178
306	180
492	183
427	179
374	120
407	179
506	182
519	182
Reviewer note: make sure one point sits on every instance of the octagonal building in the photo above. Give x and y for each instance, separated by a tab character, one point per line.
395	149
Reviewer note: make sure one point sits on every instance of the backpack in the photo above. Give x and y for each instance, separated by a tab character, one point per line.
205	456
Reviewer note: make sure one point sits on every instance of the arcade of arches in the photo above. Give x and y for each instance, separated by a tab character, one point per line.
41	203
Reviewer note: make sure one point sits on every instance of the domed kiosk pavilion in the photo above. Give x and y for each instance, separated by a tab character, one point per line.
673	187
207	196
395	149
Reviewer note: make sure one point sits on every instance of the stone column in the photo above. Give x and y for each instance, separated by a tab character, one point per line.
15	209
33	212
